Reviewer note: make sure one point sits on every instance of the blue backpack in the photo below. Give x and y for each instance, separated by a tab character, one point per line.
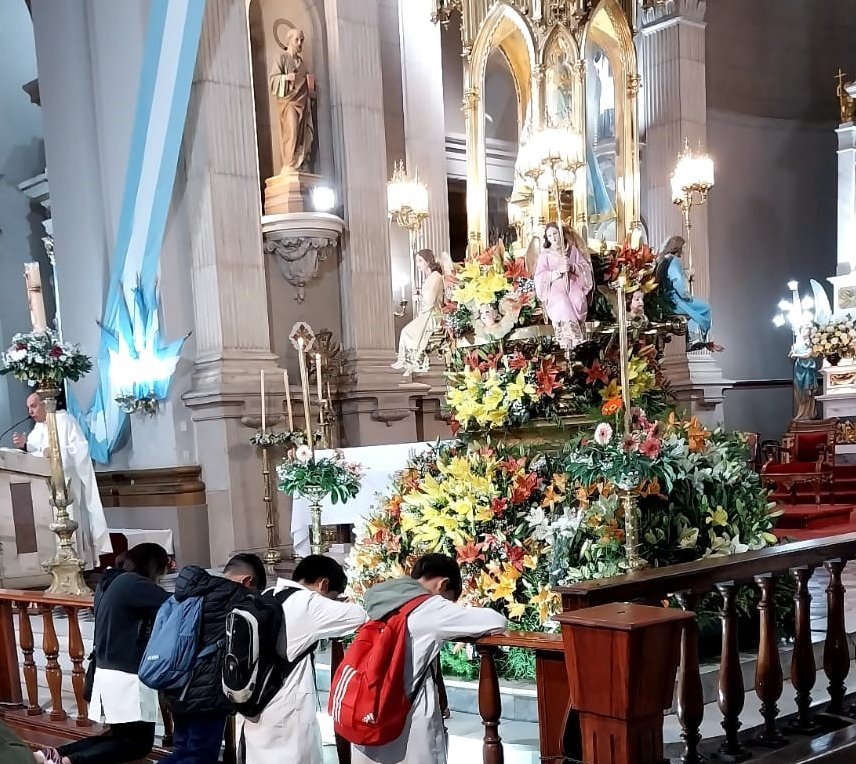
173	647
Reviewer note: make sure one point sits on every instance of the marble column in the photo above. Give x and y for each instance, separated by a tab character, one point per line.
424	122
673	107
227	268
376	407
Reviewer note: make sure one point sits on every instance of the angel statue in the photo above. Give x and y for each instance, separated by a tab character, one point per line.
415	335
805	376
494	323
672	278
563	280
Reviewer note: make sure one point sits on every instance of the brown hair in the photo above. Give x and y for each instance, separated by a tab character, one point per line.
569	235
428	256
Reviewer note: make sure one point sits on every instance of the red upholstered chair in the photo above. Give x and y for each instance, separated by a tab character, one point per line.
806	455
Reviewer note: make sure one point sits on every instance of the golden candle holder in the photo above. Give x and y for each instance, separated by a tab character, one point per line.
66	568
315	496
265	440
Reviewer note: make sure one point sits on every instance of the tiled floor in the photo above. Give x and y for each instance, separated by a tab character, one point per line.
521	738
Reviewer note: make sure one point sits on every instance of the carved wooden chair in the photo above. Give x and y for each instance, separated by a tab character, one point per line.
805	455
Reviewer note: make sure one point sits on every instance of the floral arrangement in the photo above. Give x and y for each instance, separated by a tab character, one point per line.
40	358
287	439
835	337
302	473
492	277
636	264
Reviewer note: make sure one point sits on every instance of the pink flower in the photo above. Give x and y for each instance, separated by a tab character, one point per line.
650	447
303	453
603	434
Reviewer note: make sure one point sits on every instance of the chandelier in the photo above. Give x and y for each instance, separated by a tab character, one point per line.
406	199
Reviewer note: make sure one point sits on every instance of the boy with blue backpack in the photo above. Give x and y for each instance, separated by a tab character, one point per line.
185	654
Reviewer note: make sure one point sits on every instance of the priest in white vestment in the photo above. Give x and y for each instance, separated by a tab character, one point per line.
92	537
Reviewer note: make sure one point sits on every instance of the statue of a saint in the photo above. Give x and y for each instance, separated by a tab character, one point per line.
563	280
293	88
492	323
805	376
672	277
415	335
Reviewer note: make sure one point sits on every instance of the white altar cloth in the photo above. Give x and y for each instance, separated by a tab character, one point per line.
379	463
143	535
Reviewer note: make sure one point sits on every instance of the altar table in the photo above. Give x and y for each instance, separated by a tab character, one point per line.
380	463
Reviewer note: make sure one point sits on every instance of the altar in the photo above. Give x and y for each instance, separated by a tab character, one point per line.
25	516
380	464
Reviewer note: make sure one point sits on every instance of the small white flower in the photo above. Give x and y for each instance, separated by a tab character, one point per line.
603	434
18	355
303	453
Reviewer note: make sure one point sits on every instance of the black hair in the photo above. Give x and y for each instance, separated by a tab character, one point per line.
317	566
248	564
439	566
148	560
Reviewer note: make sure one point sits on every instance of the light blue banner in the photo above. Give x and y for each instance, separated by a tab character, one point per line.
169	58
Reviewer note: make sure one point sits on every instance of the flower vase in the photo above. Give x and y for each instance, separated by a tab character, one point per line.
833	359
315	495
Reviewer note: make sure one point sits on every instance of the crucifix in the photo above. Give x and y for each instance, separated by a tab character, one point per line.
846	105
33	279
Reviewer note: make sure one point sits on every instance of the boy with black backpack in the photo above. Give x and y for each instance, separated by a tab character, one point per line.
199	707
385	697
286	728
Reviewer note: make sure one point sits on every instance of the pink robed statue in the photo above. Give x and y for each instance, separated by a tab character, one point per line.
563	281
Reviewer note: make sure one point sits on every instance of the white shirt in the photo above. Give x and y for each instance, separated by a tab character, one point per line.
119	697
287	729
424	738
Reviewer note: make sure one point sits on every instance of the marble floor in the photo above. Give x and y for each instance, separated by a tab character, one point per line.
521	738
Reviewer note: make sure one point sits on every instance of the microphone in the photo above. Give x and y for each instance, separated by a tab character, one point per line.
6	432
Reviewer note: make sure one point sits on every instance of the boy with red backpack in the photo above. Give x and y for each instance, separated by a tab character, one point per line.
287	727
384	697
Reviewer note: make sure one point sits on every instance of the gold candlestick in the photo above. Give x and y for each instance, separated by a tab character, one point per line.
272	555
66	568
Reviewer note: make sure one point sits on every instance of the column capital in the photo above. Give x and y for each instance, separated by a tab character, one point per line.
656	13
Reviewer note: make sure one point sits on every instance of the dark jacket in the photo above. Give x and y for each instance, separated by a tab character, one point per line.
125	608
204	693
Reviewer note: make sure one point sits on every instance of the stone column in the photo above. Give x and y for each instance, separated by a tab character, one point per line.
376	408
424	123
673	107
228	273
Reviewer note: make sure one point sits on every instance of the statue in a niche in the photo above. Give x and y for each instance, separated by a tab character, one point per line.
293	87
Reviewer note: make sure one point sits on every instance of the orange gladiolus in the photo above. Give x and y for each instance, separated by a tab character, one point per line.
612	406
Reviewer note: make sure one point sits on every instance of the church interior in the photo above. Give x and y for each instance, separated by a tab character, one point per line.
563	289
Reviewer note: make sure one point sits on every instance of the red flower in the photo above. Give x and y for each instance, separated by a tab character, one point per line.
56	351
450	307
485	257
515	555
650	447
490	363
469	553
595	373
523	487
511	465
498	506
472	360
517	362
517	269
454	426
546	378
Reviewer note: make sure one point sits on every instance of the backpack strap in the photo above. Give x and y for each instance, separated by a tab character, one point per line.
407	608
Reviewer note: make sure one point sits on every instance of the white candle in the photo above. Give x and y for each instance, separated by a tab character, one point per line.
262	396
288	400
318	376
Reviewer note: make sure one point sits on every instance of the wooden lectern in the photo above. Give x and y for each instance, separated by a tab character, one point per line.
621	661
25	518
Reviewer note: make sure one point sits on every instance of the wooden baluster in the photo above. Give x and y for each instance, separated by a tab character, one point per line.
10	676
769	680
53	672
168	725
337	655
731	692
836	653
490	705
690	693
28	646
803	667
75	652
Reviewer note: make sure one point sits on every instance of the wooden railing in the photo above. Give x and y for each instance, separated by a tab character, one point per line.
689	582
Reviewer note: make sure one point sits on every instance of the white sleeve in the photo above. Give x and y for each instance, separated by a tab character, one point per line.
318	618
452	622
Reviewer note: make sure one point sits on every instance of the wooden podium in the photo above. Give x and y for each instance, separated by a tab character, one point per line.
25	518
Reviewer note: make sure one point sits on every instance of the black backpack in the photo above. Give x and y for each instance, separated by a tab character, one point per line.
255	663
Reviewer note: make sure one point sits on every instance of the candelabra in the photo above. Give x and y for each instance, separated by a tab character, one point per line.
691	181
407	207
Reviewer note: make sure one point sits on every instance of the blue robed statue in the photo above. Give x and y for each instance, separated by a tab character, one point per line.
805	376
672	277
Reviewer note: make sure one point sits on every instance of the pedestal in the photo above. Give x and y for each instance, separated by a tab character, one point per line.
697	382
289	192
621	661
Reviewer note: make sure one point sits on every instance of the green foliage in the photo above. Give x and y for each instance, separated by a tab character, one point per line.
329	476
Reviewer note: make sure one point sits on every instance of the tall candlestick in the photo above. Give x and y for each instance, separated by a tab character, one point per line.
318	376
623	351
304	387
288	400
262	396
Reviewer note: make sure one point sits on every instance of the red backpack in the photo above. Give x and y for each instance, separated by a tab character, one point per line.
368	701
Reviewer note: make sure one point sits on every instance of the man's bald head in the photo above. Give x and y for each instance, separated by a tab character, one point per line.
36	408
